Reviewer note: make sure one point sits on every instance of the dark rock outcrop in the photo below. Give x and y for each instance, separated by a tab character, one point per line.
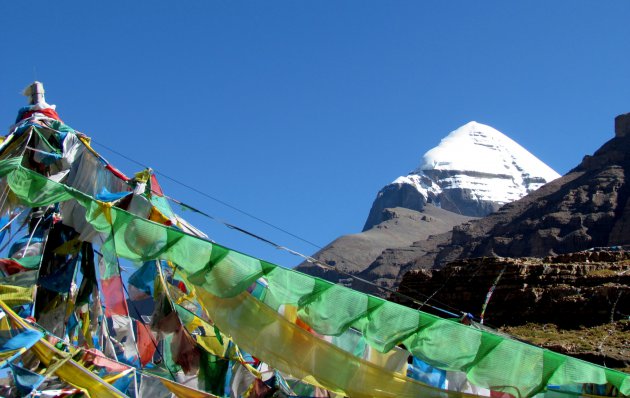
577	303
584	288
586	208
622	125
394	195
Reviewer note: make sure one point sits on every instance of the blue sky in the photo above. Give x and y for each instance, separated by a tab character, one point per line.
299	112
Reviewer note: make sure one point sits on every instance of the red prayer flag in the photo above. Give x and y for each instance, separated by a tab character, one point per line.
115	303
146	343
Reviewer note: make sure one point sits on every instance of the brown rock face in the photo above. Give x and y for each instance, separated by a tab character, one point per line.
352	254
588	207
585	288
577	304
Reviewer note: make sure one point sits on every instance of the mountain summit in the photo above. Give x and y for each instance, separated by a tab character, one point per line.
587	208
474	171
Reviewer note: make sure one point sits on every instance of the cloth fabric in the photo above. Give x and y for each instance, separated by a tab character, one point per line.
153	387
11	267
107	196
94	356
115	303
422	371
222	275
27	112
185	352
146	343
24	278
68	370
25	380
265	334
23	340
212	373
143	279
61	278
16	295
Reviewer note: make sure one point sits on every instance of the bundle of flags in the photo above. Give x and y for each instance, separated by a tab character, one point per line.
195	319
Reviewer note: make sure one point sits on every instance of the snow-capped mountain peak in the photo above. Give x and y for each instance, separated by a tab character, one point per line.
480	148
473	171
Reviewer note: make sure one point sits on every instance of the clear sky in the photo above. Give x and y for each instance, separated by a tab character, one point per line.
298	112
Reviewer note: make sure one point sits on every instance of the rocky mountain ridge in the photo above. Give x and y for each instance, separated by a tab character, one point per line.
588	207
351	254
472	172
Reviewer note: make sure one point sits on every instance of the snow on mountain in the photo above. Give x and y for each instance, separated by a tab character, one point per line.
478	157
473	171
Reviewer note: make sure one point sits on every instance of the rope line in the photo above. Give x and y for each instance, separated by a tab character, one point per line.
222	202
307	258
